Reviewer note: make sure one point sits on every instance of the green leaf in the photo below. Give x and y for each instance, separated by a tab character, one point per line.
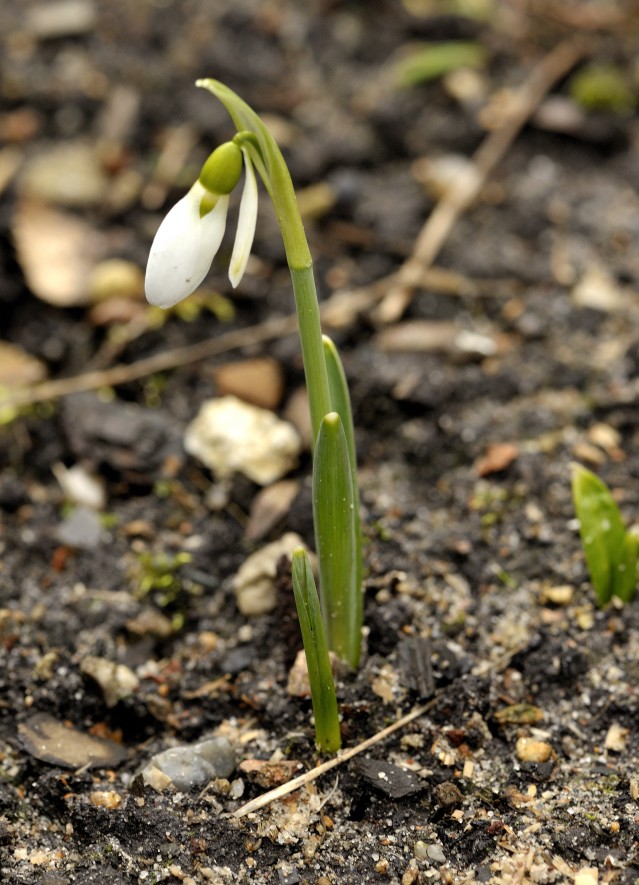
320	675
625	574
603	87
341	403
429	61
333	508
611	553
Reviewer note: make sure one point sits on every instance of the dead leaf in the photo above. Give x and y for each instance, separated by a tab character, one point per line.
497	457
56	251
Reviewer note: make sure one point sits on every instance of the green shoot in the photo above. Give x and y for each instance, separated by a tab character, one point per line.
611	552
184	247
336	544
327	732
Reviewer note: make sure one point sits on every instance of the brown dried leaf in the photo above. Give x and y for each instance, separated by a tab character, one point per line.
56	251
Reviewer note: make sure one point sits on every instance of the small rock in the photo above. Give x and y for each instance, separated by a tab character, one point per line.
411	873
436	336
389	779
150	622
105	799
61	18
270	506
298	685
230	436
420	850
17	367
80	487
532	750
587	876
132	440
190	766
436	853
116	681
559	595
81	529
254	583
598	291
448	794
68	174
616	738
258	381
270	774
116	278
497	457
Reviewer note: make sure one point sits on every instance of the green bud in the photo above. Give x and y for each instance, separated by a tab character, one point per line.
222	170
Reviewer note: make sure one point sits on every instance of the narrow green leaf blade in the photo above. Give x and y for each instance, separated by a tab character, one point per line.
341	403
327	731
625	574
428	61
335	537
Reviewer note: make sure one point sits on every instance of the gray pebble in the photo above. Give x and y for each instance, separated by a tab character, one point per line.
193	765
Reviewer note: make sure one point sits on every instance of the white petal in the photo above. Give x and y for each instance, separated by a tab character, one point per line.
245	224
184	248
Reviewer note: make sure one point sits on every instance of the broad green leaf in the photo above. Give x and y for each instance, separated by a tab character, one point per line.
611	554
320	675
336	544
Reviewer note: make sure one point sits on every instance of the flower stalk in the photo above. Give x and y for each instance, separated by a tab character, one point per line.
195	227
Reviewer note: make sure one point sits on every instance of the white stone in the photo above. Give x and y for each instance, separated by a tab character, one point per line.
230	436
254	583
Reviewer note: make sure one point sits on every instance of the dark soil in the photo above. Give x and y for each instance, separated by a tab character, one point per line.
473	559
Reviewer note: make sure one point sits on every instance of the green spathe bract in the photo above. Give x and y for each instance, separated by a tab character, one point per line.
320	676
611	552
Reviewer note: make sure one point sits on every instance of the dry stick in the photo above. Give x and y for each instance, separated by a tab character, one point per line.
447	212
338	311
160	362
314	773
266	798
341	309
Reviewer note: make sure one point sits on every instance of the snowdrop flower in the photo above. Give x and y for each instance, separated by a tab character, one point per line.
189	237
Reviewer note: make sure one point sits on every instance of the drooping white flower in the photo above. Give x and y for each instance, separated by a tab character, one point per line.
184	248
190	235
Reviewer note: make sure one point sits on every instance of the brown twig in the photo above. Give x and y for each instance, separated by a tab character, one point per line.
394	291
458	199
160	362
314	773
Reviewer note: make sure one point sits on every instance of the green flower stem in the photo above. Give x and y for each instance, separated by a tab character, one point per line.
333	510
272	168
320	676
315	371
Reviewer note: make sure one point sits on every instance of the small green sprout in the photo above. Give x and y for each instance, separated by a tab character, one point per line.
181	255
158	575
611	551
